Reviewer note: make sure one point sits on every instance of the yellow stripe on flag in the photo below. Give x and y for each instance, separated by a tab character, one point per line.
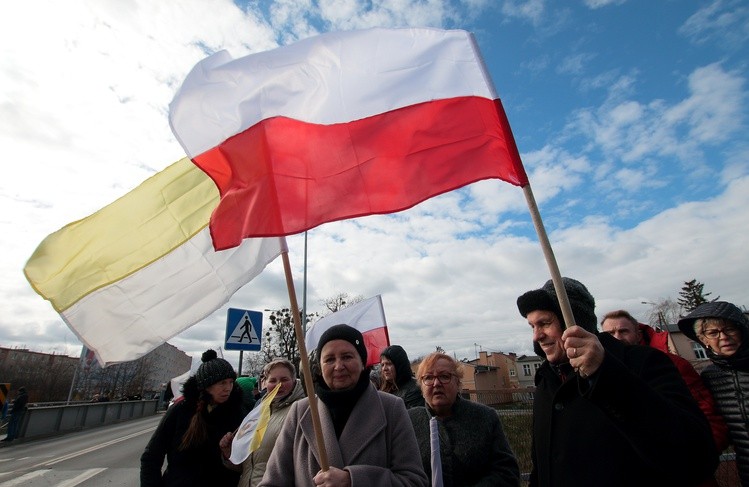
152	220
250	433
262	424
143	269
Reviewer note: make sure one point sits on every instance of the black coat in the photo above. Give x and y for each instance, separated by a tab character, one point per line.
198	466
634	423
730	388
20	404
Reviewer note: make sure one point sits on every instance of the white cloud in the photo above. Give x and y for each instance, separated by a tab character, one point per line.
632	130
85	90
726	22
531	10
595	4
714	109
574	64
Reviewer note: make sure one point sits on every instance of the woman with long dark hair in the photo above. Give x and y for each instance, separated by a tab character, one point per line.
189	433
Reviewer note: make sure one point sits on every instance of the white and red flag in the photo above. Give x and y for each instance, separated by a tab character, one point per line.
367	316
341	125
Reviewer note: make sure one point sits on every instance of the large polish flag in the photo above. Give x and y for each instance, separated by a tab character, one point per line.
341	125
143	269
367	316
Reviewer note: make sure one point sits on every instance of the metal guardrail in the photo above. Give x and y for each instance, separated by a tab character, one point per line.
42	421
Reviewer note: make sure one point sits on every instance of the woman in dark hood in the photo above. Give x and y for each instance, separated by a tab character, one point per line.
190	431
397	378
723	329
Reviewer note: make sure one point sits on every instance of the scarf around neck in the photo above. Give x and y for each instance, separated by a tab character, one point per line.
341	403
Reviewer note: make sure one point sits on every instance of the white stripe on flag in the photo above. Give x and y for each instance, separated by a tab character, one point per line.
434	442
364	316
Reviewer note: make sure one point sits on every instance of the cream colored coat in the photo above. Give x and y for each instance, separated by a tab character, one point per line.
377	446
254	467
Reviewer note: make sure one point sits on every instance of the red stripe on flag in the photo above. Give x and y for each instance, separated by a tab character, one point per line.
283	176
375	341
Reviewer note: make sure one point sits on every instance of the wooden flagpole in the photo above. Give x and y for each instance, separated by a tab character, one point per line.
556	277
308	384
551	261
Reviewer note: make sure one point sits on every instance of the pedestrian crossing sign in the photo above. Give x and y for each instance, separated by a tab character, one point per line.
244	329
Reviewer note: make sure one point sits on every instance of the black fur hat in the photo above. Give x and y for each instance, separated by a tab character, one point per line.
581	301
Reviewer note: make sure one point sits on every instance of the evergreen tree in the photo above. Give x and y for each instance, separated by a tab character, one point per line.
692	295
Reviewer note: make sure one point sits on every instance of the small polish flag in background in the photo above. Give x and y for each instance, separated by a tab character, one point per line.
367	316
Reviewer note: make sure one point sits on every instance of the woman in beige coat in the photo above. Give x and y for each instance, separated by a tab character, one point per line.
368	435
277	371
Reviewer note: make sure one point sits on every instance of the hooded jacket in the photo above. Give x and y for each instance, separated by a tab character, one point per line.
196	466
407	388
728	378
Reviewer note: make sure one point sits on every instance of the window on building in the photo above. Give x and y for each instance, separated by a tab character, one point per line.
526	369
699	352
536	365
512	372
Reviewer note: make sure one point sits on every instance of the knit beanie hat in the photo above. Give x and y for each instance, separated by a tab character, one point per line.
212	370
344	332
581	301
716	309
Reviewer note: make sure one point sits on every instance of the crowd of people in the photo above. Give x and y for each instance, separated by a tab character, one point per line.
612	406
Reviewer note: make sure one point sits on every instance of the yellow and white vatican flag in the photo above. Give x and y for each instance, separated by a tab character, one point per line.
251	431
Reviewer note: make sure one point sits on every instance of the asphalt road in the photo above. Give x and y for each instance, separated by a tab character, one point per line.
104	456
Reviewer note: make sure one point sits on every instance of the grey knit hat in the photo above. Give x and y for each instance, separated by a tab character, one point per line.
212	370
716	309
581	301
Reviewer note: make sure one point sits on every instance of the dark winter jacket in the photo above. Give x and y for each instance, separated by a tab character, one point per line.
20	403
696	385
730	389
473	446
728	378
406	387
197	466
633	423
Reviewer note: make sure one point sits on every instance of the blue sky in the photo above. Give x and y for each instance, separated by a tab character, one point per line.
630	117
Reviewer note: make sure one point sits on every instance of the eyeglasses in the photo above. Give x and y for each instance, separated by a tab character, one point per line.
443	378
713	333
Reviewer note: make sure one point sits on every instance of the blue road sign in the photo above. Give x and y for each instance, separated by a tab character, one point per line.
244	329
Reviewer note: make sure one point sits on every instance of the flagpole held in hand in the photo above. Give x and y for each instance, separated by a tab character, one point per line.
551	261
308	385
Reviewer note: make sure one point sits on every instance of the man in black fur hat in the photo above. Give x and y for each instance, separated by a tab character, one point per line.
605	413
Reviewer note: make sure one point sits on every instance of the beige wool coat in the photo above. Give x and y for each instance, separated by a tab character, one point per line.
377	446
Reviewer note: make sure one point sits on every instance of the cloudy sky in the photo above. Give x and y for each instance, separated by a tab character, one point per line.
630	116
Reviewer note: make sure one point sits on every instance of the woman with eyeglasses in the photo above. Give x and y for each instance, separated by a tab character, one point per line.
723	329
473	446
